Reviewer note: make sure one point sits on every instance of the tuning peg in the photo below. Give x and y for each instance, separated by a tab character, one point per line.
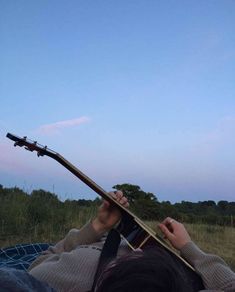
39	153
17	143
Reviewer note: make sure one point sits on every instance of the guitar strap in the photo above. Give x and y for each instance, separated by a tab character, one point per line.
108	253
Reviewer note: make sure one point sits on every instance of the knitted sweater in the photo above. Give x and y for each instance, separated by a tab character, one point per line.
71	264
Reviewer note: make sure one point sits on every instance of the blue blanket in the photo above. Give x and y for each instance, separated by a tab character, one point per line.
21	256
16	258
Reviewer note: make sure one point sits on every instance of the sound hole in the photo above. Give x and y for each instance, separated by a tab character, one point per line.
139	238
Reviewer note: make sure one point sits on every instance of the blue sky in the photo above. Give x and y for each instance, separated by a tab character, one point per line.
138	92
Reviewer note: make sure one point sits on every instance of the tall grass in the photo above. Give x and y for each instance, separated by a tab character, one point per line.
49	232
215	239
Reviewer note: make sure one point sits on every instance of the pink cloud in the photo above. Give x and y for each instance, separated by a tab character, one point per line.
56	127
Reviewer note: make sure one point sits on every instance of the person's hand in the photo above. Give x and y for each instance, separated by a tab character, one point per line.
108	214
175	232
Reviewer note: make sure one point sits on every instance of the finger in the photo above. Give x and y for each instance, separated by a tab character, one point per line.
170	224
119	195
166	231
105	205
113	195
126	204
168	221
123	200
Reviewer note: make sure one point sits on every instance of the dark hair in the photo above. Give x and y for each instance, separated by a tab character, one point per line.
148	271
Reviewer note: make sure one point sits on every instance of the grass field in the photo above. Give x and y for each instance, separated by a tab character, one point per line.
215	239
210	238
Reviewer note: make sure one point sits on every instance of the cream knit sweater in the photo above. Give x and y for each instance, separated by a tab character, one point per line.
71	264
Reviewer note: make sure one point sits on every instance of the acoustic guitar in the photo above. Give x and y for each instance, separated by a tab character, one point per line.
131	228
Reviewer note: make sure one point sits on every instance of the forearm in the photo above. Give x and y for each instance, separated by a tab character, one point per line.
214	271
86	235
75	237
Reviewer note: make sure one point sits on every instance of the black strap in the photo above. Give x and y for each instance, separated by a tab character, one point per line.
108	253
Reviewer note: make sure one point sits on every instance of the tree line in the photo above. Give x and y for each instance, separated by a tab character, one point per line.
42	211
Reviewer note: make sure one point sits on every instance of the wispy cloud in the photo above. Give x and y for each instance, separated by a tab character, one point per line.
55	128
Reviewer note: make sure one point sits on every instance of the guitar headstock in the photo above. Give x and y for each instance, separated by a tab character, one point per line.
31	145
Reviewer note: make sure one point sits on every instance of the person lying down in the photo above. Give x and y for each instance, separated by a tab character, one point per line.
71	264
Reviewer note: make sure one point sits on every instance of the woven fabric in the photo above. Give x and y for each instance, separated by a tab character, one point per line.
21	256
